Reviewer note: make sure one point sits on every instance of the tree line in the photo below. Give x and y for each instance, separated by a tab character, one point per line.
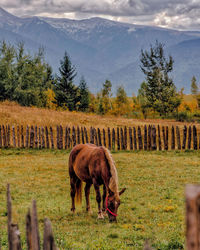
29	80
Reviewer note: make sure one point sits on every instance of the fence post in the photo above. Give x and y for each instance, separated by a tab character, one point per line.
154	144
86	135
113	139
130	138
51	137
91	136
178	138
74	136
109	139
61	138
125	138
58	136
36	137
78	135
99	137
194	137
172	139
28	230
189	137
118	140
8	135
47	136
4	137
14	241
104	137
95	137
145	137
122	139
149	137
66	136
18	137
27	136
159	139
22	136
35	237
49	242
192	193
14	139
184	137
42	137
82	135
31	137
135	138
140	138
69	138
39	137
166	138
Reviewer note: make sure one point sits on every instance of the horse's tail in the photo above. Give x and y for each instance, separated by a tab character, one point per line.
78	194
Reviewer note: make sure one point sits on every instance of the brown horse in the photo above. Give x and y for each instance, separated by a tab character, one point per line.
94	165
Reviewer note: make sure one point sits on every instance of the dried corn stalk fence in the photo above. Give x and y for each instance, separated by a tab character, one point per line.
192	194
147	137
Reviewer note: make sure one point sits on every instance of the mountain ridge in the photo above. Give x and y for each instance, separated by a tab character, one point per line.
101	48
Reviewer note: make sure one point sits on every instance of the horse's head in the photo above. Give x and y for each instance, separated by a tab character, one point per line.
112	204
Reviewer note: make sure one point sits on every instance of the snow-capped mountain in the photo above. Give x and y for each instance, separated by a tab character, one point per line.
103	49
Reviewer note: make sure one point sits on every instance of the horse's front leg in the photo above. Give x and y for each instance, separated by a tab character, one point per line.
87	194
104	198
98	199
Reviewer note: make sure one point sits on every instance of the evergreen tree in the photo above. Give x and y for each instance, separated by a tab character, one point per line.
84	95
160	90
7	58
142	99
23	78
67	95
105	98
194	87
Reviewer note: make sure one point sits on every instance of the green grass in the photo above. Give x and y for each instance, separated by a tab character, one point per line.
152	207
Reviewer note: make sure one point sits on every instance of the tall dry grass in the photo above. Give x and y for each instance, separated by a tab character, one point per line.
14	114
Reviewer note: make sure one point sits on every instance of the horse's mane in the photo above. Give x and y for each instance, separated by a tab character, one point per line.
113	183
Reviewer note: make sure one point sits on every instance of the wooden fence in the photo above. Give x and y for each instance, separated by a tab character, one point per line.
192	195
147	137
32	230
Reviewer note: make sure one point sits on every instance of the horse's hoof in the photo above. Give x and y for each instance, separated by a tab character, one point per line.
73	210
100	216
105	214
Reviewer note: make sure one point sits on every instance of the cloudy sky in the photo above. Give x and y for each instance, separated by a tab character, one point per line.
177	14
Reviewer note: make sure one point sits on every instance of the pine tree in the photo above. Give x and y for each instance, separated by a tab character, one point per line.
66	92
84	95
160	90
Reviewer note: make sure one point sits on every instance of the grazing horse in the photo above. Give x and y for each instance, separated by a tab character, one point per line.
94	165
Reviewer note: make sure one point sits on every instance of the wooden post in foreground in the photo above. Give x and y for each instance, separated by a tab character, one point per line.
49	242
192	193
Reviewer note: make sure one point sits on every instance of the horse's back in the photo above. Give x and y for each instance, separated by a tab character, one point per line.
81	159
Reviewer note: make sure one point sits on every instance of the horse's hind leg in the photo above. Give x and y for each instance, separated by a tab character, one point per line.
73	192
87	194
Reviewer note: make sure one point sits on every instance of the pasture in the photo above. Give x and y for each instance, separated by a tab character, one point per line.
152	207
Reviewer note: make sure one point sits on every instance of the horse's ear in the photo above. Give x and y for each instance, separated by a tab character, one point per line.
122	191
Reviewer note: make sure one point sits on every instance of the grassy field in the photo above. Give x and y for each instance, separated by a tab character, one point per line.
152	207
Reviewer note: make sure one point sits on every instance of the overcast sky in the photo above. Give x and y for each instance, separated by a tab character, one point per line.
177	14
